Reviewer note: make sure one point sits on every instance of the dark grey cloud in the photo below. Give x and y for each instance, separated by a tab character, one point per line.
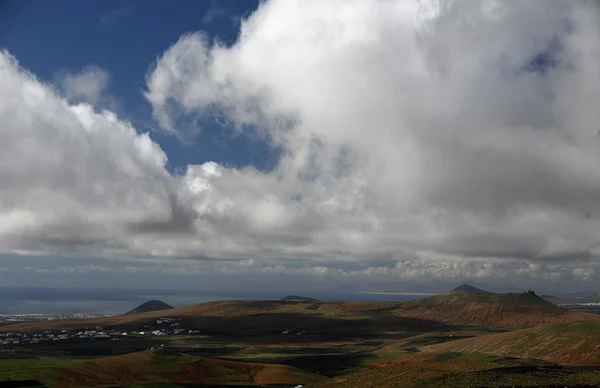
181	220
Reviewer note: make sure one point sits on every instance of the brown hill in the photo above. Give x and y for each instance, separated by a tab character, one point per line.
161	366
571	343
488	309
460	370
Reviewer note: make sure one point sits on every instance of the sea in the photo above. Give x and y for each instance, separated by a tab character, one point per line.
42	300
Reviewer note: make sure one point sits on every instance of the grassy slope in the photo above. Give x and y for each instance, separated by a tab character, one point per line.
492	310
148	366
573	343
458	370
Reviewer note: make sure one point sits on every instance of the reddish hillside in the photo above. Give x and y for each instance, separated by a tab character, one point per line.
573	343
164	366
491	310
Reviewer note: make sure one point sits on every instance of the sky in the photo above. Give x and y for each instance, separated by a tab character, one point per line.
287	145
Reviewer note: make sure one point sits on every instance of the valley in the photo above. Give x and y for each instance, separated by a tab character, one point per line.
460	338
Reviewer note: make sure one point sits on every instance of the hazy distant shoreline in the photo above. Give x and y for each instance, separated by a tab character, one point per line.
396	293
48	300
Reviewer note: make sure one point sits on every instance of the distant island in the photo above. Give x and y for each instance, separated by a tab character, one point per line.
296	298
151	305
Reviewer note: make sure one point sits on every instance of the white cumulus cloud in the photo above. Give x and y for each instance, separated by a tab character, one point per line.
455	138
71	177
456	127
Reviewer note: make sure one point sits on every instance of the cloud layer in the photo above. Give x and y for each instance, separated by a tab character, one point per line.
459	138
462	127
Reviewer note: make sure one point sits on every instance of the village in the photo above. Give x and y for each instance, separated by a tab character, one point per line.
162	327
32	317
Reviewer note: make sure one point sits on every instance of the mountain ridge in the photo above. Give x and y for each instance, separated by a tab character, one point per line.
469	289
498	310
296	298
